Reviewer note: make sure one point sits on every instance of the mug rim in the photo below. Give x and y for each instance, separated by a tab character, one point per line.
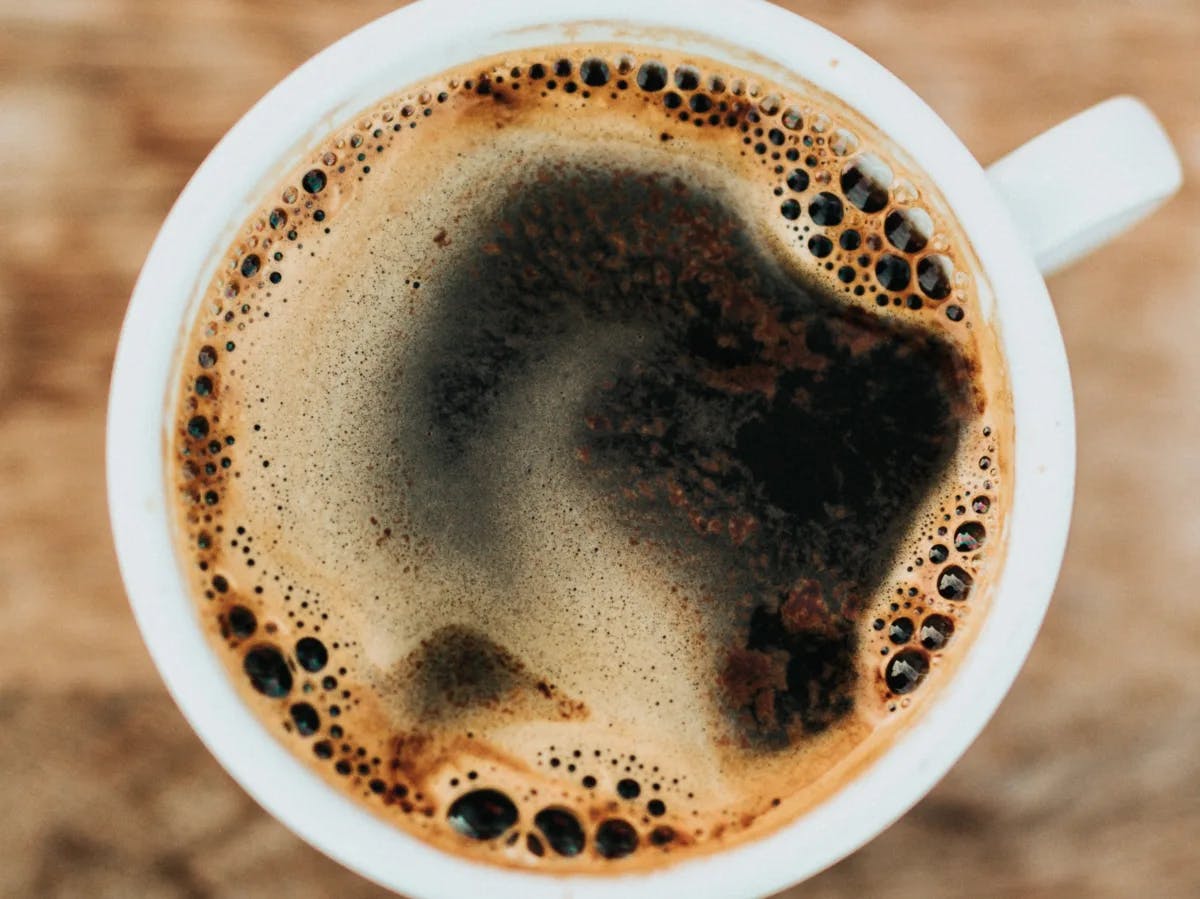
456	31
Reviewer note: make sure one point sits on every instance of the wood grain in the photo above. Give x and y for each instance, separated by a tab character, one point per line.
1087	783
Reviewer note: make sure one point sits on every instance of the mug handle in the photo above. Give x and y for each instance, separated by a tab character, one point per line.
1077	186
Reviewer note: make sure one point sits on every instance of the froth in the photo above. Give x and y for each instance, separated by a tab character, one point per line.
487	444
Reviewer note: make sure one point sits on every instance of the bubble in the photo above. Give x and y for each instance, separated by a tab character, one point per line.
969	536
250	266
482	814
242	622
901	630
594	72
938	554
628	788
865	182
849	239
906	670
798	180
892	272
908	230
791	119
207	357
616	838
687	78
820	245
672	100
313	181
954	313
306	719
268	671
985	462
534	845
311	654
980	505
954	583
826	209
277	219
843	142
652	76
770	105
934	274
562	830
203	385
662	835
700	103
936	631
562	68
790	210
197	426
656	807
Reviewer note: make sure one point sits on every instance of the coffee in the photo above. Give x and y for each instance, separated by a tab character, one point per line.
591	458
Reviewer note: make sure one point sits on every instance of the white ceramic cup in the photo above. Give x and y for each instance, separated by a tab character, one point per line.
1054	199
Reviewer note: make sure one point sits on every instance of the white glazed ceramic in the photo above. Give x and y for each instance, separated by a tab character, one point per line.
1050	185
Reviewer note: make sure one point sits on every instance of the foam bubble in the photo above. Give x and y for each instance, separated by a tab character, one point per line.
936	631
616	838
482	814
268	671
561	830
907	670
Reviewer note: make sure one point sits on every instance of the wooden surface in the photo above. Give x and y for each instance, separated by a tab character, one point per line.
1087	783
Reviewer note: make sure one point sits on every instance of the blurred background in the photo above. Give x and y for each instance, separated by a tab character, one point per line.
1087	782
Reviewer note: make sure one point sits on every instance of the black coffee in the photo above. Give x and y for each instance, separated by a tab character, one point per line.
583	457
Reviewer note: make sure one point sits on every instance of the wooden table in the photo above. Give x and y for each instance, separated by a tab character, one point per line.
1087	783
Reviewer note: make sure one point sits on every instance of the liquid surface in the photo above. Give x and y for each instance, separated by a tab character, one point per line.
592	457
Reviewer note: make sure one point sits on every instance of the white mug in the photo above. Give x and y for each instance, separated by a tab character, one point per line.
1048	203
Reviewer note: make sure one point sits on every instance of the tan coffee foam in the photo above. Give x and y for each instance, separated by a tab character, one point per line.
592	643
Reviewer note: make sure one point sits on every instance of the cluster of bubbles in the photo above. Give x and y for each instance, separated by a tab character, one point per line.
860	221
915	633
857	220
489	814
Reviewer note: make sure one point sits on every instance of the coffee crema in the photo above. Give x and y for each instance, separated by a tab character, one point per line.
591	458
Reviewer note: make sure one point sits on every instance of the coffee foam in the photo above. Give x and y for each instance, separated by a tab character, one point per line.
478	623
